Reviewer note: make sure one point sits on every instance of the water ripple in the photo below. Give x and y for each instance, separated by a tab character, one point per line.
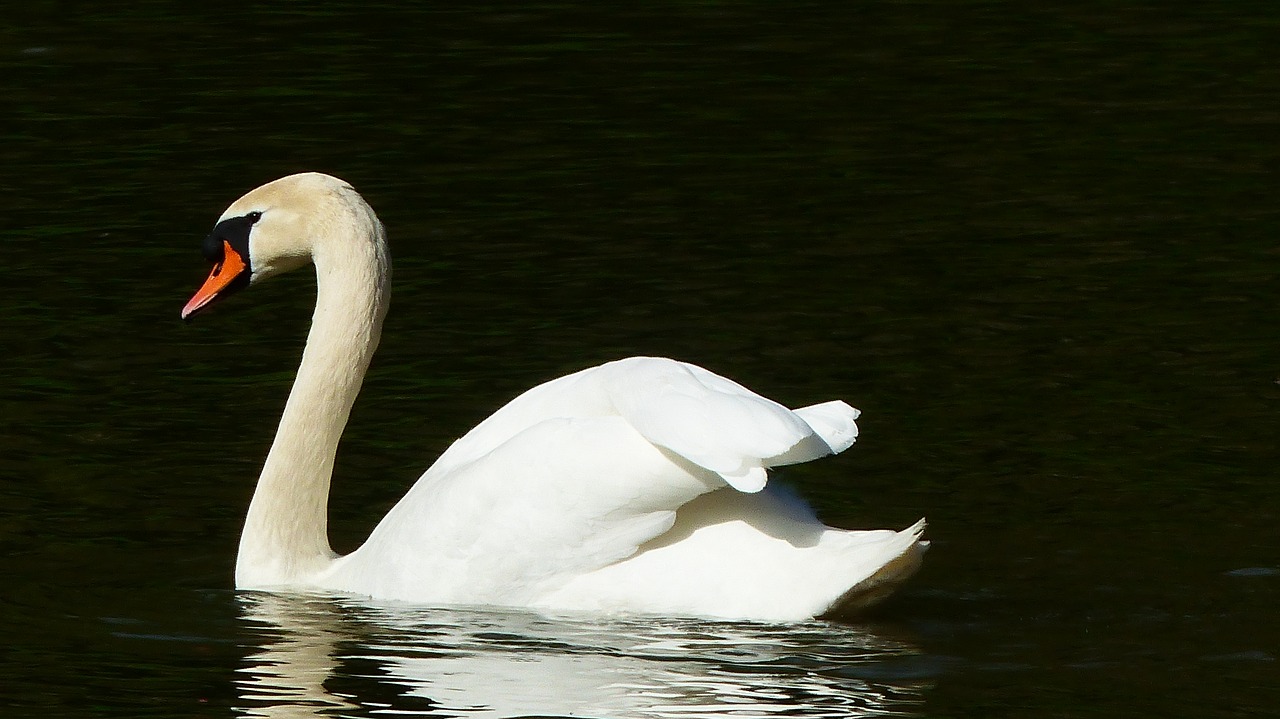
318	656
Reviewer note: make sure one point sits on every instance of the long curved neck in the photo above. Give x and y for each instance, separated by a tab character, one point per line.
285	539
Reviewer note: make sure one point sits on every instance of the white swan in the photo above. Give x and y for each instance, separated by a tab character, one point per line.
635	486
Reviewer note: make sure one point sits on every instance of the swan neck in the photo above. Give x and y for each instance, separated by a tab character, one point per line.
285	539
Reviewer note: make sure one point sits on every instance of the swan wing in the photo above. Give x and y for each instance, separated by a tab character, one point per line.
561	498
575	475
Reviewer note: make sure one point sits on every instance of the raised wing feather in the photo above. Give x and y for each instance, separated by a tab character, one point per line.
721	425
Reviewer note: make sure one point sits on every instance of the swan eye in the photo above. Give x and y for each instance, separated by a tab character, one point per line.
253	216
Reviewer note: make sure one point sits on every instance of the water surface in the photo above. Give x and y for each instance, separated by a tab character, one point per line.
1035	245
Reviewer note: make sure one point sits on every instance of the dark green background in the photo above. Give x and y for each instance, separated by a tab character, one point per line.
1035	243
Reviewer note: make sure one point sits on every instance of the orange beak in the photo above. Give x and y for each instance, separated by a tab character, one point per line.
224	273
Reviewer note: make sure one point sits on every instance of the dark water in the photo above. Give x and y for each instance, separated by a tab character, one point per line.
1035	244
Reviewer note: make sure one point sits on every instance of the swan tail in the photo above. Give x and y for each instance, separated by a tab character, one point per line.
899	558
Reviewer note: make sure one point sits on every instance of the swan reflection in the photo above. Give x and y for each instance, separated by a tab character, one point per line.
323	656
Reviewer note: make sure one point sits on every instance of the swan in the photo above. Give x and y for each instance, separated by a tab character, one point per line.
636	487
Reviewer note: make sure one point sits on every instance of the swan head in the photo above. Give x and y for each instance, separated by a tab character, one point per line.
273	229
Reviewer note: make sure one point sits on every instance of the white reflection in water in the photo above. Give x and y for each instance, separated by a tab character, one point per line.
321	656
